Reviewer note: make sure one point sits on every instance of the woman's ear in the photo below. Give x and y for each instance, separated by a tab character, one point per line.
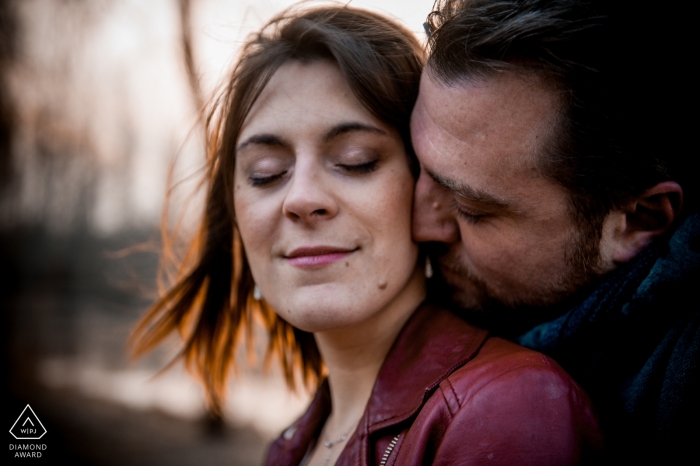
642	220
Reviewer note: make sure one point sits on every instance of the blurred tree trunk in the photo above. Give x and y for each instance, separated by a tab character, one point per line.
188	55
8	46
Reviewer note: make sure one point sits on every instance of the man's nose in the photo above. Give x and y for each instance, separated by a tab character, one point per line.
309	198
433	219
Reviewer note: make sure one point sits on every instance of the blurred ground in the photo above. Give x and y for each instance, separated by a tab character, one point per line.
68	306
86	431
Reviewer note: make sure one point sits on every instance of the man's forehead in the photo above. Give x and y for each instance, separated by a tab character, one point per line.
448	104
440	155
508	119
506	97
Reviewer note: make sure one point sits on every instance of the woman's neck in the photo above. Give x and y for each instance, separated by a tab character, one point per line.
354	356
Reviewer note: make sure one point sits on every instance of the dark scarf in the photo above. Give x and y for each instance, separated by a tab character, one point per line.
634	345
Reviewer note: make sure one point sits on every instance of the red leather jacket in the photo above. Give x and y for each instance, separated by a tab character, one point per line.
449	394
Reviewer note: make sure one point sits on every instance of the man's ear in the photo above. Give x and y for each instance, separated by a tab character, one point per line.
644	219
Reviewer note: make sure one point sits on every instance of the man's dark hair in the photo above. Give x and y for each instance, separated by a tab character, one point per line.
615	66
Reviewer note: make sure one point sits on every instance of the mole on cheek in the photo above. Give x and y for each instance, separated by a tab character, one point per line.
347	264
383	284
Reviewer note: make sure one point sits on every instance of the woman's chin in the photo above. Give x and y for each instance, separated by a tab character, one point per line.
315	319
320	312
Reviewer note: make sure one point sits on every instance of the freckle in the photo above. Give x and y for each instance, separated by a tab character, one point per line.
346	264
382	285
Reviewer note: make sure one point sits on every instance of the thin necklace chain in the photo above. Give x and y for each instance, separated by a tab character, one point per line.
329	444
332	443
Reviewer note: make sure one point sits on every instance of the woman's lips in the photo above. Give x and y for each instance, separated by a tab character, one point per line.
317	256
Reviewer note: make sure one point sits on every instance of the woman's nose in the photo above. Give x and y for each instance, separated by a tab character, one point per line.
433	219
310	197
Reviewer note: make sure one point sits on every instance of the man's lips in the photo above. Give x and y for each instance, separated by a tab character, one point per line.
317	255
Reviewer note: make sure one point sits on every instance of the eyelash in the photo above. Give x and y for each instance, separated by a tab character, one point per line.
265	180
359	169
367	167
465	215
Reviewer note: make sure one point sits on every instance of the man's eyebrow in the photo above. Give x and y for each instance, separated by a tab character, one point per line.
264	139
468	192
350	127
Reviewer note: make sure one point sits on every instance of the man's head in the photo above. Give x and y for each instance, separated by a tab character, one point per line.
538	169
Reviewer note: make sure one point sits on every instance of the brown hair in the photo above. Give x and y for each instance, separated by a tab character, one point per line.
211	301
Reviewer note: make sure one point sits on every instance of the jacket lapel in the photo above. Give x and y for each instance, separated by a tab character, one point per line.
432	345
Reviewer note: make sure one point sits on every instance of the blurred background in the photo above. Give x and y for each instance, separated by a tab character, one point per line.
98	100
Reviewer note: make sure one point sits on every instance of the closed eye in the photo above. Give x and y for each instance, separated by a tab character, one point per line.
466	214
361	168
257	180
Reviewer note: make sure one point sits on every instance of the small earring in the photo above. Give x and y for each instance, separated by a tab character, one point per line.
257	295
428	268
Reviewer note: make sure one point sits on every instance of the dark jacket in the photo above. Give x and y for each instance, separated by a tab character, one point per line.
633	343
448	394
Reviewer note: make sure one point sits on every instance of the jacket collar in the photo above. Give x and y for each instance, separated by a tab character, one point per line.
433	344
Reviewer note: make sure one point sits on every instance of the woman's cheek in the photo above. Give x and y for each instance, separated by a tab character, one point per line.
255	228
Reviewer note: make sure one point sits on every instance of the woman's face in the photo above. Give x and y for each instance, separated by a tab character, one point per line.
323	196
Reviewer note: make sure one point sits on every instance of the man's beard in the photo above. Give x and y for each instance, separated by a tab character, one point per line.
510	315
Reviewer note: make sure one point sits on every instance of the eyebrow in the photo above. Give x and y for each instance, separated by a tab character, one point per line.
349	127
267	139
468	192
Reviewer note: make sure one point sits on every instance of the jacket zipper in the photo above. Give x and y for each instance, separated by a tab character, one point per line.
389	449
